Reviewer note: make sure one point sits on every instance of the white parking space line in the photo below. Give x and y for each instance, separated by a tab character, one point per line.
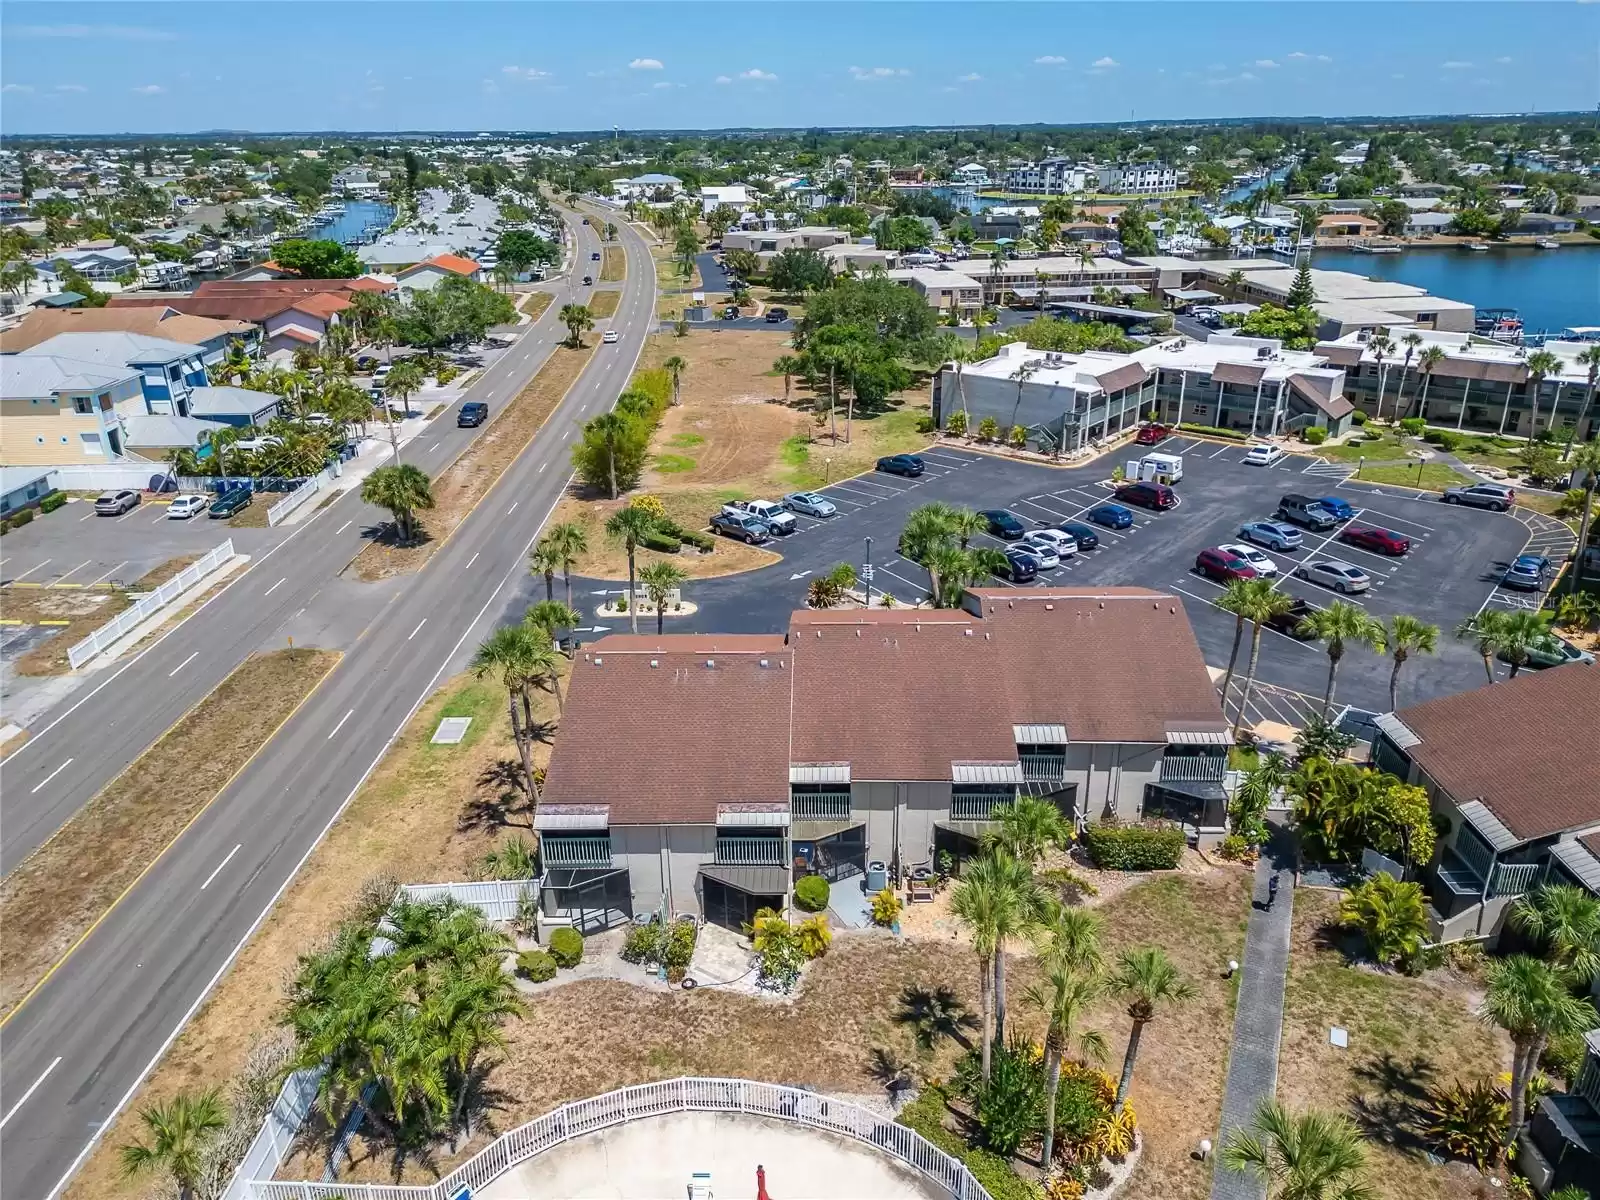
127	514
50	776
832	487
220	865
88	515
160	516
1369	513
12	1111
31	570
1223	450
74	570
918	589
183	664
936	456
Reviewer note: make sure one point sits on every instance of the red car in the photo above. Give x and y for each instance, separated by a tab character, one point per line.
1220	565
1379	541
1149	435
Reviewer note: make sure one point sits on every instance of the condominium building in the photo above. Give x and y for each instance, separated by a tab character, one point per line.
1138	179
1048	177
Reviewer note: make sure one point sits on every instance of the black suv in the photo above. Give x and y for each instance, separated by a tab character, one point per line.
473	412
908	465
774	315
1002	524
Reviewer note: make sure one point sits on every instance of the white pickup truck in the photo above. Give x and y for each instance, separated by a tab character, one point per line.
778	518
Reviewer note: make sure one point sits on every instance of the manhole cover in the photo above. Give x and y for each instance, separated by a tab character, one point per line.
451	730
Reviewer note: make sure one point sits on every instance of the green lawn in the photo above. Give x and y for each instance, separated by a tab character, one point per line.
673	464
1432	477
1387	447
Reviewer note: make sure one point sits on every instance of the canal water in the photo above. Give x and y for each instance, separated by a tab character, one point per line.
358	214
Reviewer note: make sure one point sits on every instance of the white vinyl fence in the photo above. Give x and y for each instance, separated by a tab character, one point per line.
496	899
655	1100
301	494
276	1138
164	595
88	478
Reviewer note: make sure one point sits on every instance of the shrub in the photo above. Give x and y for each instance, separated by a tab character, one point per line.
1010	1107
1018	438
1390	915
662	542
21	517
1433	436
536	966
811	893
691	537
652	505
1467	1121
925	424
643	944
1413	425
566	947
925	1115
813	936
1150	846
956	423
52	502
677	948
988	429
1314	435
1214	431
1563	1056
5	526
885	907
1358	417
1236	848
445	374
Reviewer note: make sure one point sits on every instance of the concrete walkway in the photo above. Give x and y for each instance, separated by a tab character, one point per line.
1258	1018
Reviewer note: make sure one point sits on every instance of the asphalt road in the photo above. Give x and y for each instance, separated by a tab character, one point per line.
75	1052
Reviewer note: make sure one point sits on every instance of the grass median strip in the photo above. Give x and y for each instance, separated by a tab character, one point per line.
604	304
614	268
56	895
459	488
535	304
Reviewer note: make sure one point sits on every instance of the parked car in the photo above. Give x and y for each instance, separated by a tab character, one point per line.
1338	506
1083	536
1002	524
1218	563
1274	535
1112	516
1379	541
1020	566
1152	433
1148	495
1526	573
1063	543
186	506
908	465
737	525
1263	455
1331	573
1306	511
1288	622
473	413
1482	495
1553	650
365	362
1041	549
229	502
811	504
609	337
114	504
778	518
774	315
1262	564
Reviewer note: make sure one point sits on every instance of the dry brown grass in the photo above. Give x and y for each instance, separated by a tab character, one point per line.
535	304
58	893
459	488
154	579
424	815
604	304
1405	1034
614	266
254	515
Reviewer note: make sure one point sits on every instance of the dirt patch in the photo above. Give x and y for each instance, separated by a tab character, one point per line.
457	490
426	814
60	891
614	267
1405	1034
150	581
254	516
604	304
535	304
83	609
607	560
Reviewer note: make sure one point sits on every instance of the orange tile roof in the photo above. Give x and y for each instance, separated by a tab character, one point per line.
298	334
451	262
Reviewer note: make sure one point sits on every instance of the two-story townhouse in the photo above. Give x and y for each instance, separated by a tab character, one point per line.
1513	772
61	411
1138	179
427	274
1560	1146
168	371
1047	177
866	737
214	337
944	290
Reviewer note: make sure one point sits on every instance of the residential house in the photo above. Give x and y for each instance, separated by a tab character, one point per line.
290	312
651	186
426	275
972	175
1512	770
168	371
1538	224
97	261
1348	225
1428	224
1560	1147
212	336
22	487
851	256
768	244
736	196
60	411
945	290
777	771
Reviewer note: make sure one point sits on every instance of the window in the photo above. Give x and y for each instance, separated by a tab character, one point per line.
82	405
174	373
91	443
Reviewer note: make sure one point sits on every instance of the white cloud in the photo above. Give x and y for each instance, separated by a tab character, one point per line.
645	64
1455	64
1266	64
868	74
1503	59
724	79
118	33
757	75
970	77
71	87
17	87
528	73
1049	60
150	89
1302	55
1105	64
663	84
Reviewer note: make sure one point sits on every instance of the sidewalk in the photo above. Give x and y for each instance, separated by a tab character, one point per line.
1258	1017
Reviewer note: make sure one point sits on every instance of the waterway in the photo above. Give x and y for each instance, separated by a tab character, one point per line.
358	214
1551	289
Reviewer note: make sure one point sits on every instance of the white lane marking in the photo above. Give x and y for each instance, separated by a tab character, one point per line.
183	664
12	1111
51	776
513	507
220	865
433	447
74	570
275	586
340	725
542	466
109	573
418	629
1373	512
31	570
470	561
343	527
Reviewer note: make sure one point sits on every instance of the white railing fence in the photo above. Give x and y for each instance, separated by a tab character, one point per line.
86	477
654	1100
496	899
276	1137
153	603
301	494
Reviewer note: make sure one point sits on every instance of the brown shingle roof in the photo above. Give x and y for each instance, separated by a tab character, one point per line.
1529	749
157	320
255	302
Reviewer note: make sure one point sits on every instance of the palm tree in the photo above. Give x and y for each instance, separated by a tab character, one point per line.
1586	460
1589	358
1233	284
515	654
1147	980
947	567
1021	905
1532	1002
1305	1156
612	429
1264	605
552	616
675	367
1339	624
1404	636
577	318
1504	633
966	524
1411	341
179	1131
660	579
402	489
1028	827
405	380
1426	364
977	903
545	559
1381	347
630	526
1238	598
570	542
1565	921
790	365
1064	996
463	1018
1541	364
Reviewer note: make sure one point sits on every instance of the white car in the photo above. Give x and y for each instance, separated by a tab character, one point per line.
1340	576
609	336
1263	455
1262	564
810	503
1042	549
184	507
1064	544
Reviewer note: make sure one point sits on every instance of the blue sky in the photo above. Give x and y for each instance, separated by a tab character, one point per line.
179	67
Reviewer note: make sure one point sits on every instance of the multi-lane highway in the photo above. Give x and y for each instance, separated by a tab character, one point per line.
76	1050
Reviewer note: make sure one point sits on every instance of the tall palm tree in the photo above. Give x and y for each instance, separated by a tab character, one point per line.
1381	346
947	567
404	381
1411	341
675	367
545	559
515	655
660	579
966	524
1264	605
1146	978
1233	284
552	616
1532	1001
1565	922
1304	1156
1022	906
1587	460
977	902
403	489
1427	363
612	429
1070	936
1404	636
1063	996
463	1018
571	542
1589	358
1541	365
1506	634
630	526
179	1131
577	318
1339	625
1028	827
1238	598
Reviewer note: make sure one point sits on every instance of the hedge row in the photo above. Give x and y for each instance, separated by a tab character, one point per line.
661	541
925	1115
1152	846
1213	431
52	502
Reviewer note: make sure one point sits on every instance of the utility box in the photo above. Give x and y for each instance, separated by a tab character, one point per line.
877	876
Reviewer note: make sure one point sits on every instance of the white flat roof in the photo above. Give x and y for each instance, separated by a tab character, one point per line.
1184	354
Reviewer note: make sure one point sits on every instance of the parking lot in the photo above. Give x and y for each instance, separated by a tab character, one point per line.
1450	574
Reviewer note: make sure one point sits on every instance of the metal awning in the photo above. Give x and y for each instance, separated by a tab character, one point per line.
587	816
835	772
1199	737
1040	735
1575	857
758	881
1477	814
971	829
743	816
986	772
816	831
1397	731
1192	294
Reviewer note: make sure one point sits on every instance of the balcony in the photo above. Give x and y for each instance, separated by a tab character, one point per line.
977	806
575	851
1513	879
1044	768
752	851
1193	768
820	806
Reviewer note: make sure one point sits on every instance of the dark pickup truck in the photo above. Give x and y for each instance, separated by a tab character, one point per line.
473	412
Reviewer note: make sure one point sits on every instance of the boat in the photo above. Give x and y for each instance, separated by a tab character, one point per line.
1548	244
1477	247
1367	249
